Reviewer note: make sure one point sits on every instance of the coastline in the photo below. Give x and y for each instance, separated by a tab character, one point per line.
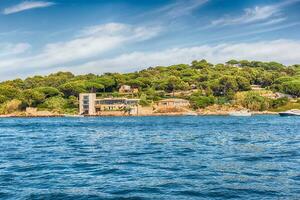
144	115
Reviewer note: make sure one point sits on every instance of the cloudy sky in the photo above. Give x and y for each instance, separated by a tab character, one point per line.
41	37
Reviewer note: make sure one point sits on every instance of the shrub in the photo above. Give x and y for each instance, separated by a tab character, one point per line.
143	100
10	106
279	102
199	101
56	104
253	101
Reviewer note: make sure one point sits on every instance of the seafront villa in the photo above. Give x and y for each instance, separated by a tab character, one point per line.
90	105
128	89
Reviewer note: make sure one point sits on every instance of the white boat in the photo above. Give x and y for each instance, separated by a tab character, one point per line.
293	112
242	113
73	115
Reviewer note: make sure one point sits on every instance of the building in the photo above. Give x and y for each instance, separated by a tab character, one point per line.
90	105
87	103
115	104
128	89
174	103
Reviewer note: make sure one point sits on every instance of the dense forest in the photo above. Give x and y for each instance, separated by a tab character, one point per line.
208	84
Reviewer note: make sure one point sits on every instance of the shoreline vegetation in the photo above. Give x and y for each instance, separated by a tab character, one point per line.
260	87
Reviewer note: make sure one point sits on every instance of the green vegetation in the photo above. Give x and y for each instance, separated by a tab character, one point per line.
288	106
254	101
200	82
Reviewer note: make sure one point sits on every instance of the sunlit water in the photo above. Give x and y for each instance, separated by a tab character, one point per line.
150	158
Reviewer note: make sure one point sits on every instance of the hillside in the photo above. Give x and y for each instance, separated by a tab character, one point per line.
201	82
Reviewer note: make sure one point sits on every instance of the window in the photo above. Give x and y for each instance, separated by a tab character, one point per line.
86	97
85	102
85	107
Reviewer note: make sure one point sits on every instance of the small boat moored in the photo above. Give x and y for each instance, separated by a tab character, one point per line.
66	115
191	114
293	112
242	113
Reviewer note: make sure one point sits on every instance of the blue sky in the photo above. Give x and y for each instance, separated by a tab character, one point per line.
97	36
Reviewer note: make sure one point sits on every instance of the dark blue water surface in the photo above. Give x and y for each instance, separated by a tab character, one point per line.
150	158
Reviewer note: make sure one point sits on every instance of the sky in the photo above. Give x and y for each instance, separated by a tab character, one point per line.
39	37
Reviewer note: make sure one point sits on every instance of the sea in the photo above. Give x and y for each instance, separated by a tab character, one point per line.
187	157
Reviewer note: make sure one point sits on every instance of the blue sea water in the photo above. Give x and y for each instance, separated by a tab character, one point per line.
150	158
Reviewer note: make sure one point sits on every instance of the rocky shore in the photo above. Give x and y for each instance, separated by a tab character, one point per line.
198	113
213	110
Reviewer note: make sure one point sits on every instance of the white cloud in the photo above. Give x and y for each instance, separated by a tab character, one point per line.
269	14
250	15
91	42
272	21
277	50
26	5
179	8
116	29
106	29
263	51
256	31
8	49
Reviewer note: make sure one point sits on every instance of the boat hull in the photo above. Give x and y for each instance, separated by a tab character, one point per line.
240	114
288	114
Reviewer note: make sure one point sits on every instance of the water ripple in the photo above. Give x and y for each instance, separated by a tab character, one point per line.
150	158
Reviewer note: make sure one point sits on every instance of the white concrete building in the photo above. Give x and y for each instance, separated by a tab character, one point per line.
87	103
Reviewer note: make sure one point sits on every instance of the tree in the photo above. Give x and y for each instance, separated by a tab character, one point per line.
153	95
59	78
107	81
224	86
197	100
244	63
232	62
266	78
292	88
92	86
135	83
56	104
243	83
3	99
9	92
32	97
174	83
201	64
49	91
73	88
